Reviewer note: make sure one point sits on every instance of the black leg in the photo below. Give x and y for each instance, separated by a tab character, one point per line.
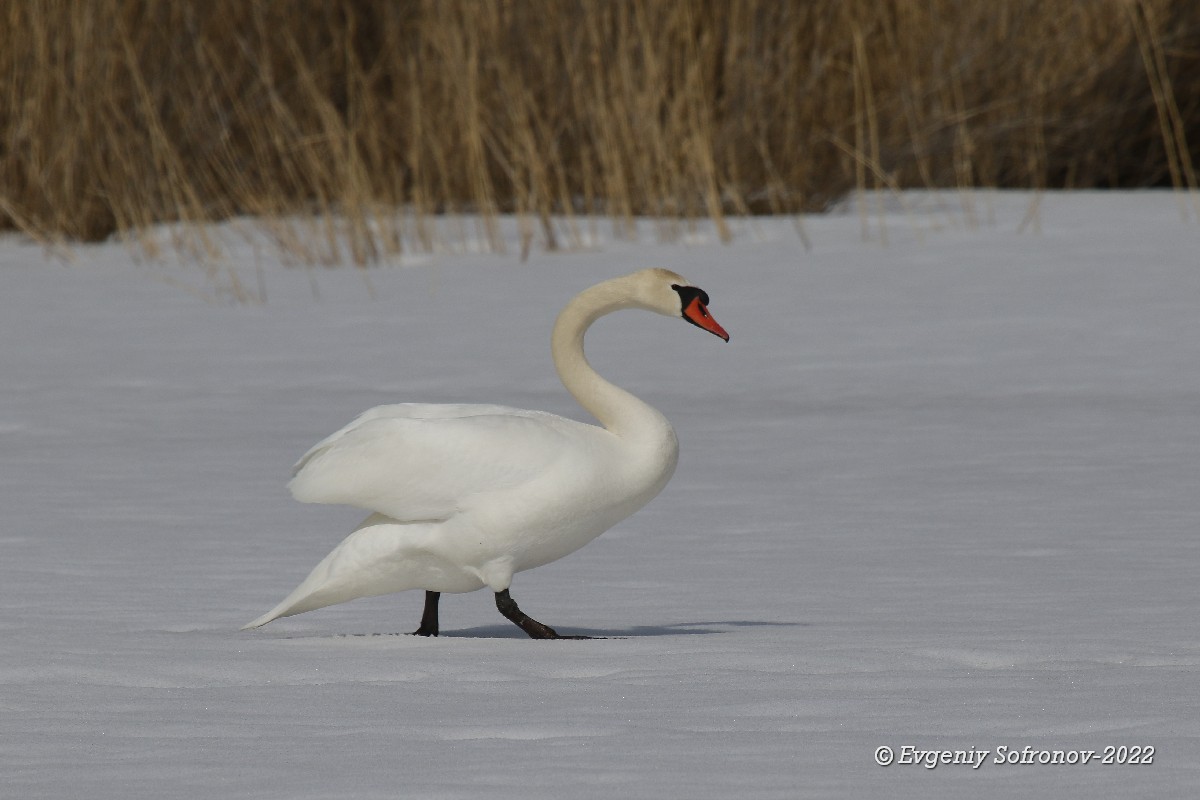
429	619
536	630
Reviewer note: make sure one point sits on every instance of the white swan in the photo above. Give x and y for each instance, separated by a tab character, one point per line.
464	496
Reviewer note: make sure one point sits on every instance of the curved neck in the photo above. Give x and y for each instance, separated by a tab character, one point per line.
616	409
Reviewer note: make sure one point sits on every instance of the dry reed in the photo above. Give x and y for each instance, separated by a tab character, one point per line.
348	125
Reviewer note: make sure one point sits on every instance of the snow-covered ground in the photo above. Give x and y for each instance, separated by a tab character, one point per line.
940	491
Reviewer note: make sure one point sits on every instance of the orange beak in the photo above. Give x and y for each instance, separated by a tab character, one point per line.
698	315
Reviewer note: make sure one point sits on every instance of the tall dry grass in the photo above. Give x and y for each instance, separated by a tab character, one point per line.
370	117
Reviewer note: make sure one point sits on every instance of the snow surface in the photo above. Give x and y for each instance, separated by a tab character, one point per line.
942	489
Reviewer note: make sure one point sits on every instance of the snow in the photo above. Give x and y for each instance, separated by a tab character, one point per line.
940	490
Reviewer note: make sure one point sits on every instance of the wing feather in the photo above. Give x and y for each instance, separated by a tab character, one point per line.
423	462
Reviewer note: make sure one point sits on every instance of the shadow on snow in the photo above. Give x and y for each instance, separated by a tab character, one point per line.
635	632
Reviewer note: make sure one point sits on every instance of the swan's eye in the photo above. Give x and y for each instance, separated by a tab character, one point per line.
689	293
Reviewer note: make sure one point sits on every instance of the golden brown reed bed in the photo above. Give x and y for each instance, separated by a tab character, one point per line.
376	115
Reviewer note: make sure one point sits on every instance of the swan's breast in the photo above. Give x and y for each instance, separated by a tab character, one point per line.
592	485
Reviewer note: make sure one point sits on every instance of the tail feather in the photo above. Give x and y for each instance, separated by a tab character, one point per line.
308	596
375	559
270	616
319	589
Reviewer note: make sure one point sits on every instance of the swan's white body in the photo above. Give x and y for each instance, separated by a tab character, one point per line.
465	496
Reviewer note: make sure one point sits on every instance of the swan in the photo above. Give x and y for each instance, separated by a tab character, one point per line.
465	496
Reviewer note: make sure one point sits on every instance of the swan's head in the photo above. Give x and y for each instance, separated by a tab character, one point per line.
673	295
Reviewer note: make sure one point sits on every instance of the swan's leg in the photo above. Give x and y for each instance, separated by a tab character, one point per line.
536	630
429	618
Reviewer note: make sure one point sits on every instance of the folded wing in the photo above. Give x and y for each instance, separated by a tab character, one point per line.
417	462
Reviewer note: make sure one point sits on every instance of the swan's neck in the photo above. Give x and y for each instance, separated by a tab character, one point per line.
616	409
